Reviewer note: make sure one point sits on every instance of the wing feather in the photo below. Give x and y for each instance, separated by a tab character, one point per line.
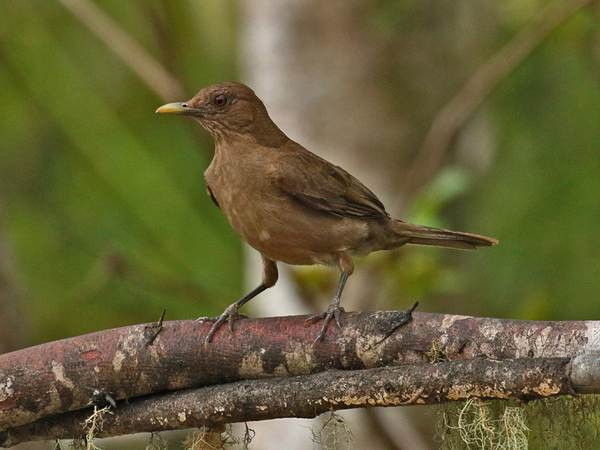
324	186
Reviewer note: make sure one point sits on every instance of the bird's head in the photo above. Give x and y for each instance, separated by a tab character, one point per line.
227	110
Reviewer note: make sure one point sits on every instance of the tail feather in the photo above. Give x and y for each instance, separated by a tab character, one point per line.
420	235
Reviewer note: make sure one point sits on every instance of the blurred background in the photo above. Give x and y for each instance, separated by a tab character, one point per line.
476	116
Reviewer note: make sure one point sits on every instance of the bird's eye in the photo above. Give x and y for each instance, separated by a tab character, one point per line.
220	100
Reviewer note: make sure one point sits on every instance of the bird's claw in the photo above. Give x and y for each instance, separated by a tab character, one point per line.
333	312
230	315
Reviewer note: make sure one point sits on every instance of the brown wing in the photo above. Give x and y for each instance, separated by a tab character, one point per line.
324	186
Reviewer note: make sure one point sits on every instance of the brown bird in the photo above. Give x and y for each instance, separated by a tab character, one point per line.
290	204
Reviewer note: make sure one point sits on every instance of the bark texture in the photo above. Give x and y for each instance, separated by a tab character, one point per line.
310	395
128	362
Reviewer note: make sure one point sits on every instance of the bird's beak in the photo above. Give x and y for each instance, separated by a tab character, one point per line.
176	108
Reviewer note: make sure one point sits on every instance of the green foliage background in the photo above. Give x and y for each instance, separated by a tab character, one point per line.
104	201
542	198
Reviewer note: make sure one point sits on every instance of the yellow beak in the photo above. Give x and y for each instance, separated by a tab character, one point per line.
175	108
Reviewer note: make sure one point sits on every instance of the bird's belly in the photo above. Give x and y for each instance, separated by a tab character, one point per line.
285	230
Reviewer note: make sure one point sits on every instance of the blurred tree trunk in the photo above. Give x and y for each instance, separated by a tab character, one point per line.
359	84
13	329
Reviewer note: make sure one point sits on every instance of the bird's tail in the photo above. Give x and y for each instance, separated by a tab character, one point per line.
420	235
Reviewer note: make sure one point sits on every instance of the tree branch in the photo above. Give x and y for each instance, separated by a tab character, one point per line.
140	360
310	395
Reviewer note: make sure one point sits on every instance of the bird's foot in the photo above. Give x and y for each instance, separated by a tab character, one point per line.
333	312
230	315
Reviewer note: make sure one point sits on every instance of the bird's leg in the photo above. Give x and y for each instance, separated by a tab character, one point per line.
334	310
231	313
